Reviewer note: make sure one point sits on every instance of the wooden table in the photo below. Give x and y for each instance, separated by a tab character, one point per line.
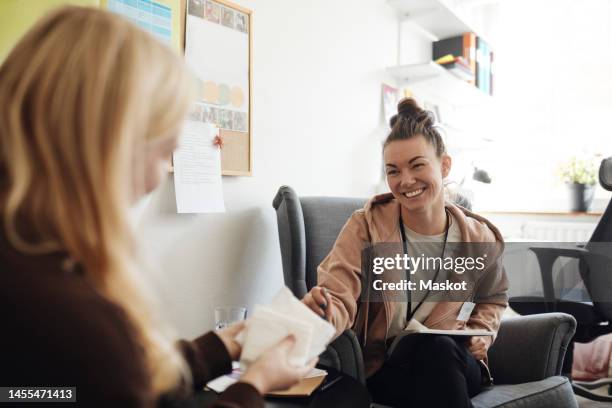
346	393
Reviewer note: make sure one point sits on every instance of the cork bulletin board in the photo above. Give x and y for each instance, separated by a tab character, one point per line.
218	49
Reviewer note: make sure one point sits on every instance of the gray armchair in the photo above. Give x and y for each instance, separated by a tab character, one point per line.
525	360
307	231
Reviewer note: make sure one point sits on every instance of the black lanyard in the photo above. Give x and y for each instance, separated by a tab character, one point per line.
409	312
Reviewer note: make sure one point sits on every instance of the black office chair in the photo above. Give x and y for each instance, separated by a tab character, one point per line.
594	314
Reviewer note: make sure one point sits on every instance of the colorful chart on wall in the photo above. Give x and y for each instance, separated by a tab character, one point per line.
218	50
17	16
162	18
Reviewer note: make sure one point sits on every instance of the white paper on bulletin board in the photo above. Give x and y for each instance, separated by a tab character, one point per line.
197	170
217	50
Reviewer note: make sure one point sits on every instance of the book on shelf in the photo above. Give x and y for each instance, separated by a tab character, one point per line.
460	72
458	67
487	67
445	59
452	46
474	51
463	46
479	63
491	73
484	59
450	60
469	53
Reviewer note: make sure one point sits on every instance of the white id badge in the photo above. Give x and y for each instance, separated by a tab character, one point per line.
466	311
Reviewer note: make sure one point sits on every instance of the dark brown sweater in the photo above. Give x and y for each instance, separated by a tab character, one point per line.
57	330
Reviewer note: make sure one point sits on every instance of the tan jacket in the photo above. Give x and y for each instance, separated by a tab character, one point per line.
378	222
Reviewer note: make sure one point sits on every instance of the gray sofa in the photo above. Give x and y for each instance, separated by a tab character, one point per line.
525	360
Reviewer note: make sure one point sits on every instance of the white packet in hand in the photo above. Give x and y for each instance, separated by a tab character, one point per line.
323	331
266	328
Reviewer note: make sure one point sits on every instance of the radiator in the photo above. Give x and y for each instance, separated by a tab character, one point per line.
557	231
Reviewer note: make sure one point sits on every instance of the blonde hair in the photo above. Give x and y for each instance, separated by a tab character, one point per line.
80	95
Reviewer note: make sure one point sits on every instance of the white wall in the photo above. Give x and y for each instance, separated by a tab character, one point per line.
552	82
318	68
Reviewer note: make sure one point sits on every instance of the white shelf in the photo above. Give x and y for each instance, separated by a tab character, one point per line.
448	86
433	16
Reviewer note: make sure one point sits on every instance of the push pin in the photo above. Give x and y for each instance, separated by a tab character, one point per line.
219	141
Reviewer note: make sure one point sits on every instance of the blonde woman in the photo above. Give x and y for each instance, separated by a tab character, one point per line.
91	110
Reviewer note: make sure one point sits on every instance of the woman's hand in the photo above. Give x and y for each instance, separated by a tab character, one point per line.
319	301
272	371
478	347
228	337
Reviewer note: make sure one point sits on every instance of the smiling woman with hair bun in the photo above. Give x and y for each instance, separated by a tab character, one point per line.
427	370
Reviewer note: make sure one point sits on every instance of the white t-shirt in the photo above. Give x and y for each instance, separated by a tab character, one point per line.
429	245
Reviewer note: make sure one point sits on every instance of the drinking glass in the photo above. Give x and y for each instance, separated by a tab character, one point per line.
227	315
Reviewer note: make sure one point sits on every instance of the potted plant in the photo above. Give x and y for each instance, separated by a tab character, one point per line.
580	176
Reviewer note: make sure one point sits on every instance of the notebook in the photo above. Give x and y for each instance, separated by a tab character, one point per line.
416	328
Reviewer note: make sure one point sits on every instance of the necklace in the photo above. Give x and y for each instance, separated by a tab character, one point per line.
409	311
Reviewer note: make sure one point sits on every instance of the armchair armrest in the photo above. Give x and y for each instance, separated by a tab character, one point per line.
344	354
530	348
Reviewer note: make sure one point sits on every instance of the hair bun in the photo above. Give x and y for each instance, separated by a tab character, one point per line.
410	121
409	108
